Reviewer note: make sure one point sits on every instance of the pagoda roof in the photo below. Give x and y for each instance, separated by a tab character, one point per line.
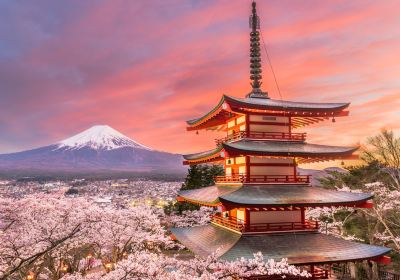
207	195
298	248
273	195
271	148
206	154
273	104
285	148
229	106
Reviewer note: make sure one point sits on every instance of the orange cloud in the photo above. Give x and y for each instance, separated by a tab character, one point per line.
146	68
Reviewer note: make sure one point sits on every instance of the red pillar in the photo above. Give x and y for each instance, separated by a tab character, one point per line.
312	271
303	216
247	168
247	218
247	125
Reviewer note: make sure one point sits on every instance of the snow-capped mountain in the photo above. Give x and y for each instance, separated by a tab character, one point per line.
100	137
97	148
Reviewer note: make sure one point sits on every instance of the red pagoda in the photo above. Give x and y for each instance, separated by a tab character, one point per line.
262	199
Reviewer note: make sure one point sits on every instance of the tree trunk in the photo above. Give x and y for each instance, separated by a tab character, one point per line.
371	270
353	270
375	271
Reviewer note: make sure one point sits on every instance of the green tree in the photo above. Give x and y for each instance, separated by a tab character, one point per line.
199	176
356	176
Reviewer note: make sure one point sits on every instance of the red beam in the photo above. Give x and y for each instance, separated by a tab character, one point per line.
212	159
301	114
214	121
273	164
383	260
270	123
366	204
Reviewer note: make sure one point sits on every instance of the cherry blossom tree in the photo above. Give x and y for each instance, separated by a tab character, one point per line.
121	231
51	234
386	211
190	218
334	219
379	175
40	230
146	265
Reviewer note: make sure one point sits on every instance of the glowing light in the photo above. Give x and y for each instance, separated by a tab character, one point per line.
109	265
64	268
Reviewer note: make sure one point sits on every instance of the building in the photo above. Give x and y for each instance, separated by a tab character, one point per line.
262	200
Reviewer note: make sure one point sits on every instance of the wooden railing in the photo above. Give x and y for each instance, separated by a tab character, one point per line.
342	271
262	135
228	222
316	273
263	179
285	226
385	275
241	226
320	273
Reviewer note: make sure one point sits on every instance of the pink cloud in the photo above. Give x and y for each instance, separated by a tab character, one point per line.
146	68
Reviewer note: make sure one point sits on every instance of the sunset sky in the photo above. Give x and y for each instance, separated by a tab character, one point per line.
144	67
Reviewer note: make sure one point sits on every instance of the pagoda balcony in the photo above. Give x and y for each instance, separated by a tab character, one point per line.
263	179
258	135
240	226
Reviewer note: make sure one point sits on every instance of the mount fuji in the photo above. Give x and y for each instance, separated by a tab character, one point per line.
99	148
100	137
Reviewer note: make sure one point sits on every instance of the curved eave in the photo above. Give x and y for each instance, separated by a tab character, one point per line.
304	248
214	203
282	105
203	157
292	195
207	196
214	118
289	149
228	106
212	112
272	196
298	248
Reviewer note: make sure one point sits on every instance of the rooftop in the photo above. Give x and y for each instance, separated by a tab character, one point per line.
272	148
229	105
274	195
246	146
299	248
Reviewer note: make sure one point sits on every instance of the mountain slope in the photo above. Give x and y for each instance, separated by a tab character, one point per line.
317	174
98	148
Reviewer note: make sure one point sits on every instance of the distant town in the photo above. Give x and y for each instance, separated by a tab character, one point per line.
118	193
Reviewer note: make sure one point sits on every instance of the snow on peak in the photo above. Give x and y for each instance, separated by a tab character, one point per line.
100	137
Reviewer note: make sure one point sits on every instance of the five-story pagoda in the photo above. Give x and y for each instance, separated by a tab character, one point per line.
262	199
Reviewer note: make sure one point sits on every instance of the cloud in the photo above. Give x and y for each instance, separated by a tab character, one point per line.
144	67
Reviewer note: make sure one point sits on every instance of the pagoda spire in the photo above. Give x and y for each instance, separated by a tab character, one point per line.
255	55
